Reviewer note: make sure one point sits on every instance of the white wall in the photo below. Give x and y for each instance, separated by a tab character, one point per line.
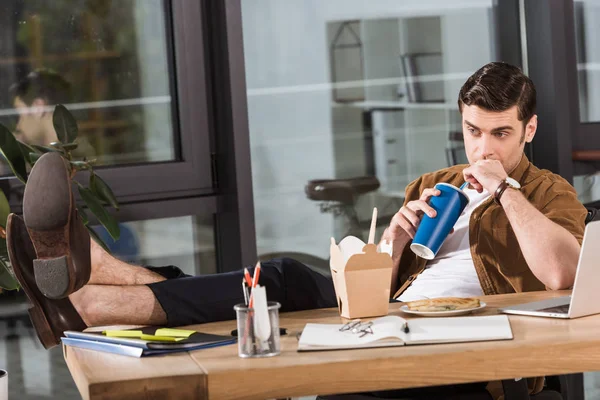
289	107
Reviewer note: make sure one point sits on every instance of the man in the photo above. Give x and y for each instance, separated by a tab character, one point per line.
34	98
509	239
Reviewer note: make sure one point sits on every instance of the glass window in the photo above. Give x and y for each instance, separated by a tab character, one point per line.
106	60
350	88
587	21
186	242
587	34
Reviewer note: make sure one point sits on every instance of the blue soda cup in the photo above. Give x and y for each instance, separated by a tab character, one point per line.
432	232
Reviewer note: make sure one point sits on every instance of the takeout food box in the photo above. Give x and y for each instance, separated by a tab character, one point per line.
362	276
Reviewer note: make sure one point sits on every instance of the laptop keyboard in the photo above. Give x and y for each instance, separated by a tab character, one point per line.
564	309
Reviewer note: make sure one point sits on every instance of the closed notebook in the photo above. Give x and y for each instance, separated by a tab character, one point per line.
138	348
388	331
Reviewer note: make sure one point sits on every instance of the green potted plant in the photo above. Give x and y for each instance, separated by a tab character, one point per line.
96	195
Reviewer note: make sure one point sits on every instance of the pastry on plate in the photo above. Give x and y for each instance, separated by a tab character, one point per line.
443	304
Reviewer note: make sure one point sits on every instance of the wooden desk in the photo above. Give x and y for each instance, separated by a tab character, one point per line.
541	346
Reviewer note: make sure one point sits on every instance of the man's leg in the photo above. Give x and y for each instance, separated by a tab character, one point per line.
108	270
116	292
201	299
118	305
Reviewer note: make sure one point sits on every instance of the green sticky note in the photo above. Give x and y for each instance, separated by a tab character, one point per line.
125	334
161	338
180	333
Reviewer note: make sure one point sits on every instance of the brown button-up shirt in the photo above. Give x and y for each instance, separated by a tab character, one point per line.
499	262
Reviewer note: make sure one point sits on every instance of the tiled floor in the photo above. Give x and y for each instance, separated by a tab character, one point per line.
35	373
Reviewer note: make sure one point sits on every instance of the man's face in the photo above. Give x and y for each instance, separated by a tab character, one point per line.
498	136
30	126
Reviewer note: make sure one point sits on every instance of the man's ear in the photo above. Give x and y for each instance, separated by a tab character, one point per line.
530	129
38	107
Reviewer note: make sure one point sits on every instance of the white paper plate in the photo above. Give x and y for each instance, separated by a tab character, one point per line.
450	313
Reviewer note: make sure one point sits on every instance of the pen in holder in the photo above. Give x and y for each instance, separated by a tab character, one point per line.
258	327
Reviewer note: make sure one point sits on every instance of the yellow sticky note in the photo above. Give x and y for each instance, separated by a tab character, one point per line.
129	334
180	333
161	338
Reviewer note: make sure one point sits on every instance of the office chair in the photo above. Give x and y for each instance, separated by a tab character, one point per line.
339	197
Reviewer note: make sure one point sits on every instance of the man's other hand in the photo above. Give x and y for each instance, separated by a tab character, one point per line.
485	175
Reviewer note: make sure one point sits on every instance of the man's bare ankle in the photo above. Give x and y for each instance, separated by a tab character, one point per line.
146	277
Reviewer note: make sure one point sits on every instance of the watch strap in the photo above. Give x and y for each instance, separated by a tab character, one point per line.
498	193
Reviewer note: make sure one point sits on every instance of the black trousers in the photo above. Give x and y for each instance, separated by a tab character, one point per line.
189	300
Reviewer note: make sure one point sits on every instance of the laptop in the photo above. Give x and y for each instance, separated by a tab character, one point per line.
585	297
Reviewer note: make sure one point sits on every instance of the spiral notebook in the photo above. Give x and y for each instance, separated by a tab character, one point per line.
390	331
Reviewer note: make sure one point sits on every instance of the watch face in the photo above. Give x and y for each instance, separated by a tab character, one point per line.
513	183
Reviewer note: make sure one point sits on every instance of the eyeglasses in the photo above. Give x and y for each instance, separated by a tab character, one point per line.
358	327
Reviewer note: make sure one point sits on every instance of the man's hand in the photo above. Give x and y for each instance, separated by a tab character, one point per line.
485	175
403	227
405	222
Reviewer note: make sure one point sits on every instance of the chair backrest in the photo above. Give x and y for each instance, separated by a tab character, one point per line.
592	215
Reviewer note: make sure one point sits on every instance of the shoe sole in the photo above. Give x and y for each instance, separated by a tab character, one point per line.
48	210
36	314
42	327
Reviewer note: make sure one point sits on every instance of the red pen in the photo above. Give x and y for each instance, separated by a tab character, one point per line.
254	283
247	277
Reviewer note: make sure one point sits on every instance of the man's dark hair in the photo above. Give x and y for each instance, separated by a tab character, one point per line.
498	86
42	84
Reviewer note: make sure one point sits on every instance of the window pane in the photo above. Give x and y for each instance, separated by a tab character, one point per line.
107	61
341	89
187	242
587	32
587	22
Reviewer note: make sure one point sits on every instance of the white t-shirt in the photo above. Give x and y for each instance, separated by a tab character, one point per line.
452	272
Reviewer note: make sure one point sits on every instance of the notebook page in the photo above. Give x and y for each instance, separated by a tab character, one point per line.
329	335
458	329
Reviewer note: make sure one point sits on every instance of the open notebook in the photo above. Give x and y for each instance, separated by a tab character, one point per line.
388	331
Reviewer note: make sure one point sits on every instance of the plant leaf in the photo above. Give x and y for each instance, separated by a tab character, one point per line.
4	209
64	124
9	146
97	238
25	150
7	279
33	157
83	215
70	146
103	191
96	207
80	165
45	149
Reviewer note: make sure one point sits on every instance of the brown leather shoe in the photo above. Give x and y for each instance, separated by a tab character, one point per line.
61	241
50	318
